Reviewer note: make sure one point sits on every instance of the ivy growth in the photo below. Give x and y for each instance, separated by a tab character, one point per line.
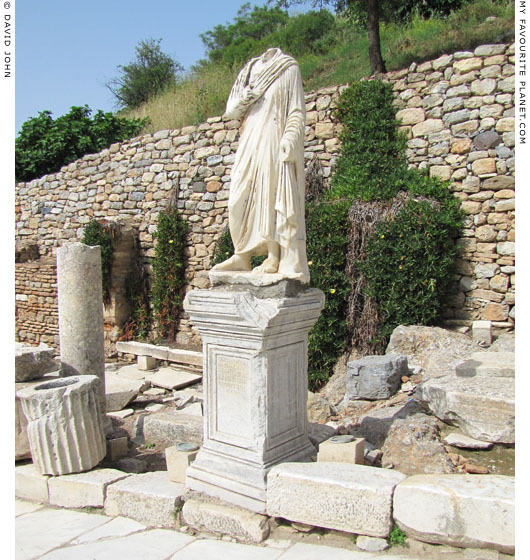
95	234
169	271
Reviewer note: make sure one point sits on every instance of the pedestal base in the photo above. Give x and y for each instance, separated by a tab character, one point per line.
255	389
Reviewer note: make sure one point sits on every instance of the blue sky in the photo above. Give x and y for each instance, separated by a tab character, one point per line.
66	50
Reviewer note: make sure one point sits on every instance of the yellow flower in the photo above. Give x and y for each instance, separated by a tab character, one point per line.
332	291
171	241
309	263
382	236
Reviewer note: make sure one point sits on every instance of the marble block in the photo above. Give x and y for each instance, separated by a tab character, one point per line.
255	389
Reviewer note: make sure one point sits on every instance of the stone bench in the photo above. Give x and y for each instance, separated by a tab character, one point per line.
149	354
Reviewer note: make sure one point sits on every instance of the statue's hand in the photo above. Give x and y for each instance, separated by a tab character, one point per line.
286	150
248	95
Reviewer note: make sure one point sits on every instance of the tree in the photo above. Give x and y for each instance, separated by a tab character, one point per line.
370	12
234	42
150	73
44	145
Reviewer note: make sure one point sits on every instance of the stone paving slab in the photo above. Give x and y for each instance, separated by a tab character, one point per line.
116	527
120	391
54	534
22	507
304	551
156	544
41	531
171	378
213	549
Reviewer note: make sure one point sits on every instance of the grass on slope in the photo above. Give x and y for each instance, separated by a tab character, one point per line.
204	94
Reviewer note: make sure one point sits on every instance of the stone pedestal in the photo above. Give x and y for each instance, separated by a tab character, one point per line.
64	424
80	298
255	387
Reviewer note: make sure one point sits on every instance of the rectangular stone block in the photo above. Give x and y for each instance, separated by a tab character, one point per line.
149	498
459	510
255	368
117	448
143	349
167	428
375	377
190	357
482	331
177	462
225	519
30	484
147	363
352	498
350	452
80	490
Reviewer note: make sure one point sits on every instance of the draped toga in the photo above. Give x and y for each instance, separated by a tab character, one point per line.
266	201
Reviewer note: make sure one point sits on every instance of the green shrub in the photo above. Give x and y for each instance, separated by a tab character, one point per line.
327	227
44	145
372	163
409	264
98	234
403	259
224	248
169	270
137	296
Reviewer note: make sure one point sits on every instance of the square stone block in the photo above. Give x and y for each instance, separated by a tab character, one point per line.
352	498
177	463
482	332
147	362
30	484
350	452
80	490
117	448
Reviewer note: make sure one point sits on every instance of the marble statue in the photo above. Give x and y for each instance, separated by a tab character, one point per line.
266	204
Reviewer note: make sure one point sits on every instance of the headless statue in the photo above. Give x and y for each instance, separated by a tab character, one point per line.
266	203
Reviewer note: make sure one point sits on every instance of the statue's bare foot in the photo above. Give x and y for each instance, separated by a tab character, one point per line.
236	263
269	266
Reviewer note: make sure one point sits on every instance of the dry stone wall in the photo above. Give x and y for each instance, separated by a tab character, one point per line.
36	312
457	110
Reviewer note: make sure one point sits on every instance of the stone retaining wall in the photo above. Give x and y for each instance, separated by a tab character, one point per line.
458	111
36	302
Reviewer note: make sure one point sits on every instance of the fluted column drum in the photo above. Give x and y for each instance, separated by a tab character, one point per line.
65	429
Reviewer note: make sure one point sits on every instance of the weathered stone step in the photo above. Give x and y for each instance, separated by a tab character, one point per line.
149	498
461	510
346	497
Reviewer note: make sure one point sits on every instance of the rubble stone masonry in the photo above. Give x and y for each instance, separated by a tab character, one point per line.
458	113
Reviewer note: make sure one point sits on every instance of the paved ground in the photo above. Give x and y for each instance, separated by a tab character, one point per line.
60	534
